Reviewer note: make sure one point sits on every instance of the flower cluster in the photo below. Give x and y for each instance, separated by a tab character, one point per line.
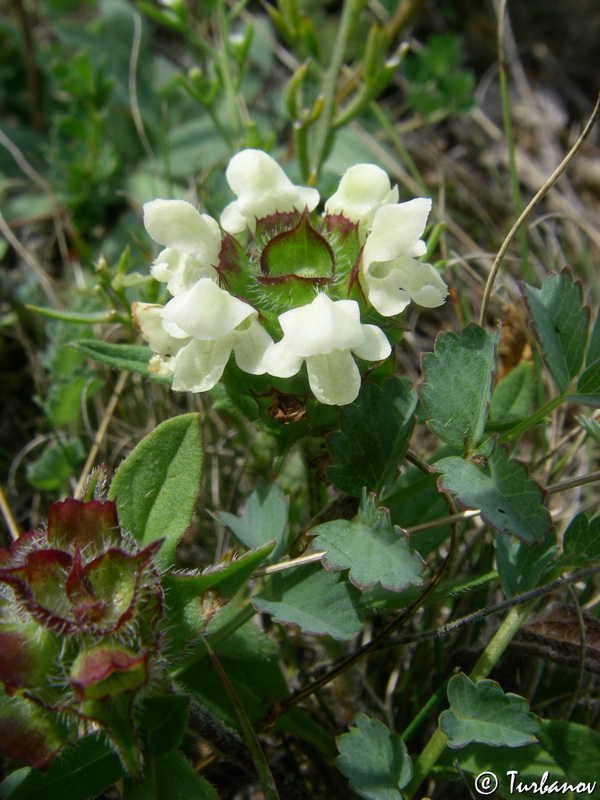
80	605
279	285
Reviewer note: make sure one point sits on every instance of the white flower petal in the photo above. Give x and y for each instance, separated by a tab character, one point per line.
396	231
375	346
422	281
262	188
147	320
180	270
334	378
205	311
250	343
363	188
177	224
231	219
322	326
384	294
200	364
280	362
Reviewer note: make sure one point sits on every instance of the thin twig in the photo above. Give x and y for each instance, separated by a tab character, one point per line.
93	454
9	519
135	108
531	205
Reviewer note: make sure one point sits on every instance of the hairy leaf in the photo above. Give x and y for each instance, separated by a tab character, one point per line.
313	599
560	323
370	547
458	377
81	772
510	502
164	720
265	518
171	777
157	485
131	357
227	577
374	435
482	712
374	760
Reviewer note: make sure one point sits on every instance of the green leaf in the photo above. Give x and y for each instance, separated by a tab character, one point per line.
91	317
512	397
265	518
55	464
251	661
157	486
591	426
123	356
374	760
482	712
81	772
370	547
458	377
521	566
575	749
593	348
170	777
510	502
588	386
529	761
163	719
560	324
582	538
313	599
374	435
227	577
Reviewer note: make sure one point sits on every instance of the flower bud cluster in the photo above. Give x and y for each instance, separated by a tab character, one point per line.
80	607
279	285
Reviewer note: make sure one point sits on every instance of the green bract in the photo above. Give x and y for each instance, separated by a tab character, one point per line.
80	609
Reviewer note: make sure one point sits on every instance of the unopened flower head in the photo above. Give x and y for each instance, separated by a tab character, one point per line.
279	285
80	607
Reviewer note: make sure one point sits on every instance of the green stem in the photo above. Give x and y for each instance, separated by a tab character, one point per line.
532	420
490	656
225	70
512	168
350	14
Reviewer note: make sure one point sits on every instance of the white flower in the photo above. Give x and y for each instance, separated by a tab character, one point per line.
193	243
362	190
325	334
147	320
212	324
262	188
390	274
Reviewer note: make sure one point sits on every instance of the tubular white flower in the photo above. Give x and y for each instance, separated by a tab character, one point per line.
362	190
212	323
326	334
262	188
390	274
192	239
147	320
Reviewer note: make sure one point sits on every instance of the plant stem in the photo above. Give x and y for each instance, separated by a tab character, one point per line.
532	420
510	143
490	656
350	14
